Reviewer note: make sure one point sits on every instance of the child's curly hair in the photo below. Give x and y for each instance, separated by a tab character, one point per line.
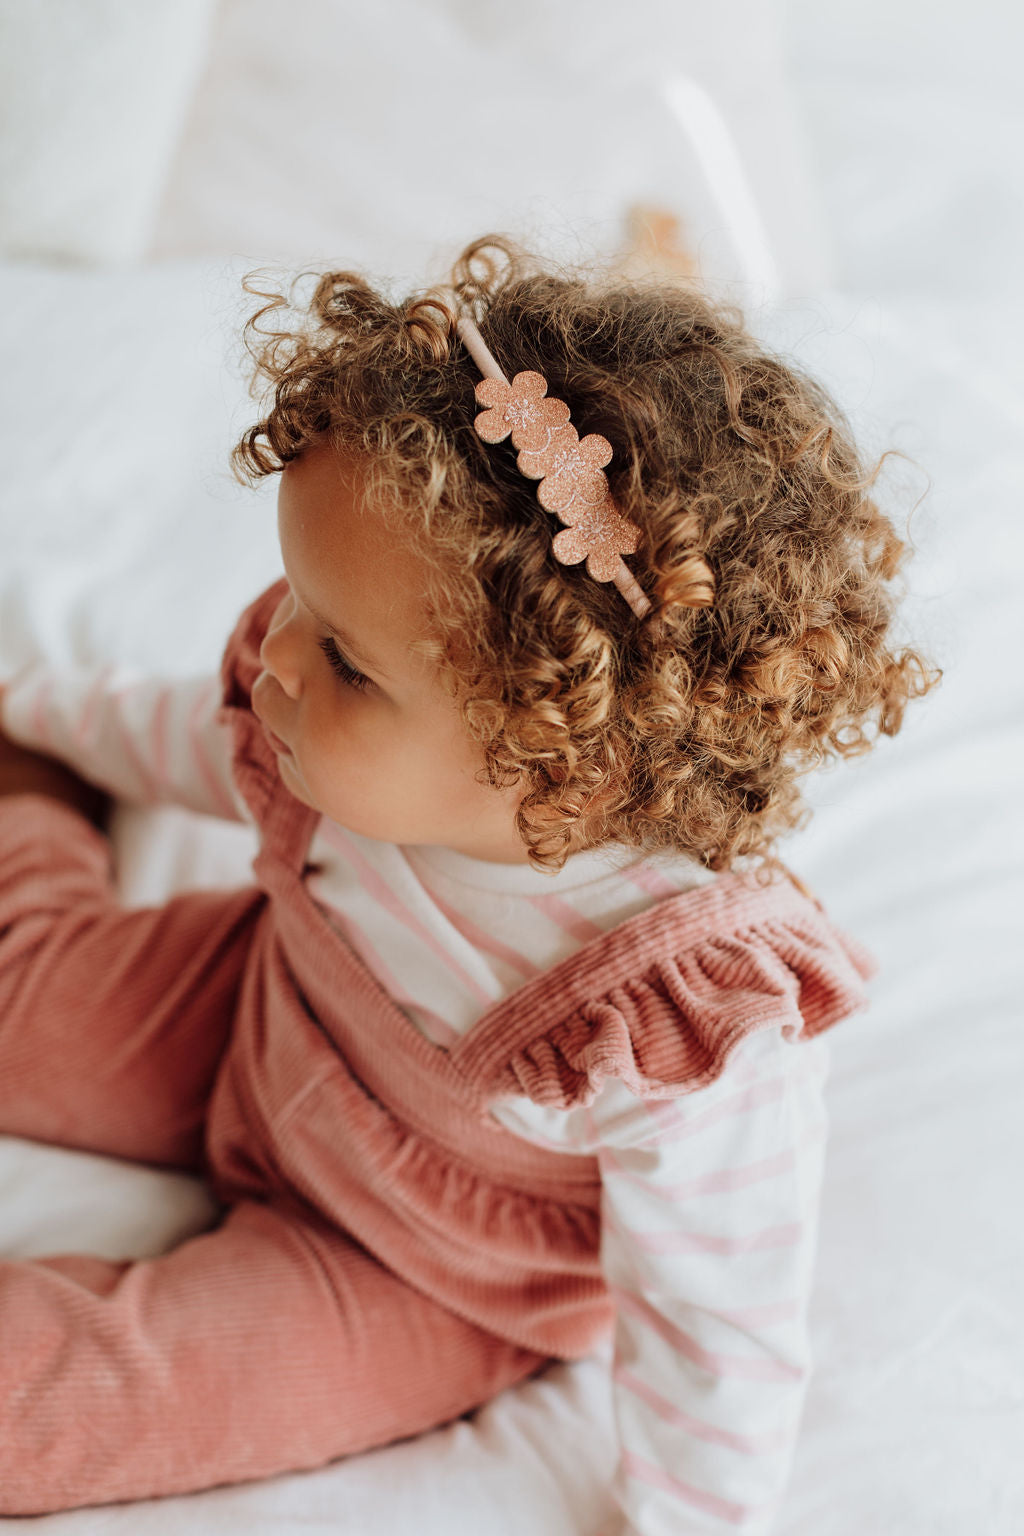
768	564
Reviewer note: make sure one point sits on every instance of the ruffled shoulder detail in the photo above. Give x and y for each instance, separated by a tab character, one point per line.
660	1002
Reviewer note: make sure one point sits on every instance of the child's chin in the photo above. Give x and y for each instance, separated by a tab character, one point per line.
380	831
292	781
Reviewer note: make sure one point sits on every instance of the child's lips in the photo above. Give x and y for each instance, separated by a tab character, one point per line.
280	747
275	741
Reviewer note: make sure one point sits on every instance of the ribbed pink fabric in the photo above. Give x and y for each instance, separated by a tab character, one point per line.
392	1256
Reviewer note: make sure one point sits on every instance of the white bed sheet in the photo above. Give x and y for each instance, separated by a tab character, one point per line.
119	521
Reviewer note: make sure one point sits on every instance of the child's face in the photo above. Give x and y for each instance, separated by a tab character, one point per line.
366	733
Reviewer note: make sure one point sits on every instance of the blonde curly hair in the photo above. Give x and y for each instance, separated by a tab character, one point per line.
769	566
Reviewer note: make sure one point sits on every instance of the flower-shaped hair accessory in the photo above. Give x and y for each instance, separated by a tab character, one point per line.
570	468
519	408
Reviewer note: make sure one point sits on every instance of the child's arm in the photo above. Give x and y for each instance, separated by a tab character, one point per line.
141	739
709	1222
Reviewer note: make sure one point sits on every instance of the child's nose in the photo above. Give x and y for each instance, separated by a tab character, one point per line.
280	653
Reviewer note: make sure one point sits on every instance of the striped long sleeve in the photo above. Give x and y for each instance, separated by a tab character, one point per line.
709	1223
143	739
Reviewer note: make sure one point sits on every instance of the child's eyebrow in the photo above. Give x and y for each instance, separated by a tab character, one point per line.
352	650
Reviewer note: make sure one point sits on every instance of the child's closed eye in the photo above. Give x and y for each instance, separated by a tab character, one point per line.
341	667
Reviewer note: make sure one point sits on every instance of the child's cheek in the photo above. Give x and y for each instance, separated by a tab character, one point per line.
336	745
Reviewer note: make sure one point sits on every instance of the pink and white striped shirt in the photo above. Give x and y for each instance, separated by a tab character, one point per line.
709	1201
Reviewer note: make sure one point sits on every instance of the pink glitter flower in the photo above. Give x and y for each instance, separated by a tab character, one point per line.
519	408
599	534
570	469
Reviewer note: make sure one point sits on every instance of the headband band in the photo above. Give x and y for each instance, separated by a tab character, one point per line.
570	469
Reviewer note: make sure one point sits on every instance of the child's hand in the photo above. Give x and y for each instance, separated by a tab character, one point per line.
23	772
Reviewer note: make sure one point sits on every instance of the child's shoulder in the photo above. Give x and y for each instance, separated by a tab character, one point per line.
661	1001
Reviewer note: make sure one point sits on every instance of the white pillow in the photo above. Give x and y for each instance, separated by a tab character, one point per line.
93	95
385	136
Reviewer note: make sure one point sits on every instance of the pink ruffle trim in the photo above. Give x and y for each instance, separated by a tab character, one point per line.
669	1028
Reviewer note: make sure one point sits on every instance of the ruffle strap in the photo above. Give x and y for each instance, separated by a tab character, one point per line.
685	995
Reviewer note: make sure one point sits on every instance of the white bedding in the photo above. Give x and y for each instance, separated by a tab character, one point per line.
123	535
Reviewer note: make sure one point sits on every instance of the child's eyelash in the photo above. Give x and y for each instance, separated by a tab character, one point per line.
341	667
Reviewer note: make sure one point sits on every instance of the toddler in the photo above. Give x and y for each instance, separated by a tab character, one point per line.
513	1044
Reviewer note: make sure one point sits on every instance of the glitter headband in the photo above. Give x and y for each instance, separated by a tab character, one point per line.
570	469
